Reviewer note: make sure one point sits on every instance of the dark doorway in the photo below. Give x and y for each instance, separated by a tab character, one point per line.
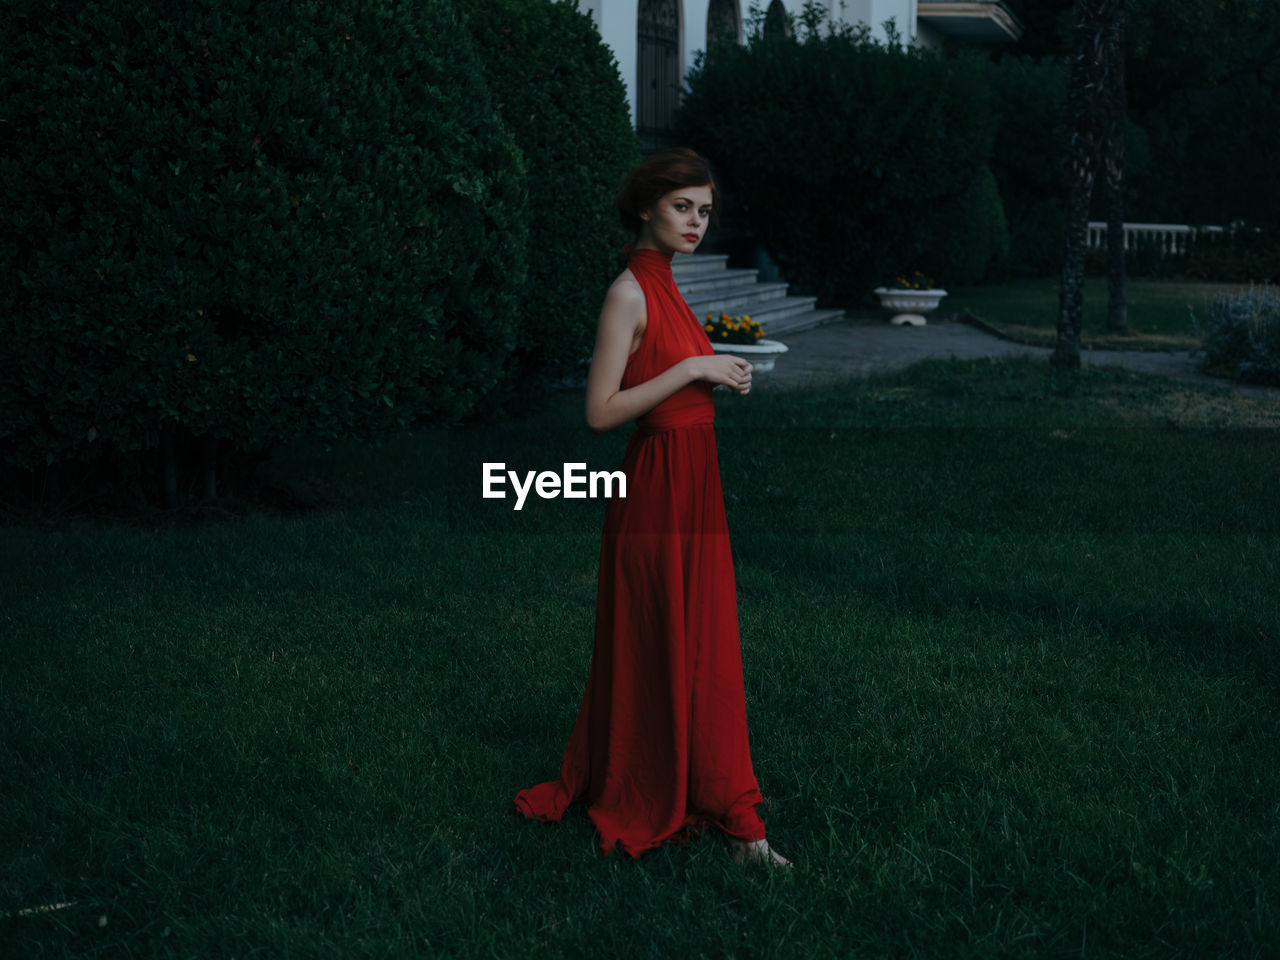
658	86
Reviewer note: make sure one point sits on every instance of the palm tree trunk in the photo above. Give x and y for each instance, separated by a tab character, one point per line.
1113	167
1083	137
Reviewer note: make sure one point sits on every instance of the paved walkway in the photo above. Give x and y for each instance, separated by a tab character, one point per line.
857	347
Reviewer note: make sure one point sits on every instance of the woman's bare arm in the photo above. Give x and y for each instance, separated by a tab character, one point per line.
621	318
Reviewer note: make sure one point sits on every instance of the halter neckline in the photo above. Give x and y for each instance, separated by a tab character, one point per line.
650	259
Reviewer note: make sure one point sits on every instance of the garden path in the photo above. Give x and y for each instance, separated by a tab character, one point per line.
860	346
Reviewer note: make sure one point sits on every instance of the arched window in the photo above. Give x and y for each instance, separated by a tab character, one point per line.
658	86
776	21
724	23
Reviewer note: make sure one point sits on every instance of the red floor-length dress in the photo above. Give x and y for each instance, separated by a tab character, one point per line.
660	744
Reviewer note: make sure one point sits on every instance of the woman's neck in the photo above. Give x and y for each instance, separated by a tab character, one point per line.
645	240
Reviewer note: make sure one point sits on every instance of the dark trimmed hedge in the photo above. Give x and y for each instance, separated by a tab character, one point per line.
558	90
248	221
229	225
856	162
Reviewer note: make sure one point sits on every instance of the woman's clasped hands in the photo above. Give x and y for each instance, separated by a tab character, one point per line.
724	370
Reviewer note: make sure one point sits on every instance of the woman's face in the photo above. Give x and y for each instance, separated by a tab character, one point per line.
678	221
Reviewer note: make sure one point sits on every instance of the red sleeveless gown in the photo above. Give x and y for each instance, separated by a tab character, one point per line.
659	749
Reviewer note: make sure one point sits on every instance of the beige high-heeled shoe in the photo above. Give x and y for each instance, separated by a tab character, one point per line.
758	851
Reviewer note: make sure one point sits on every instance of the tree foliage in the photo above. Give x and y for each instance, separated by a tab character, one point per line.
1204	82
852	157
1201	81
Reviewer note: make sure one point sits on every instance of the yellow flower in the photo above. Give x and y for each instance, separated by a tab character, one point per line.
191	358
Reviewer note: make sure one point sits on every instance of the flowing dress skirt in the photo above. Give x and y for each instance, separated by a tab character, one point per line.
659	748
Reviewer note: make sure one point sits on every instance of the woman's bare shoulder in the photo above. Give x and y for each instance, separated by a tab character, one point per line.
625	298
625	289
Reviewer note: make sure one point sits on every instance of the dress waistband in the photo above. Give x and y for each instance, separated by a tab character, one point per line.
647	426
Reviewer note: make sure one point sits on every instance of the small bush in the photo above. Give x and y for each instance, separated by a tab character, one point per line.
558	90
849	156
1242	256
1146	257
1242	339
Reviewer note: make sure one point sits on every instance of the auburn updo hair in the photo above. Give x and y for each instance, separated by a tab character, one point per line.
658	175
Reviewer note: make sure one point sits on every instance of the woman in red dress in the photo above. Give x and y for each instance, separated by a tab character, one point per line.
659	748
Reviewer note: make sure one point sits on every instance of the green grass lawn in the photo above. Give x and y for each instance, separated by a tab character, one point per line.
1163	314
1010	648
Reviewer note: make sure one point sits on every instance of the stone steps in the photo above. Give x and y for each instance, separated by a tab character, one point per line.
698	264
710	287
735	301
726	280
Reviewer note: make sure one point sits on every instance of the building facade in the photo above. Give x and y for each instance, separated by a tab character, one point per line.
656	41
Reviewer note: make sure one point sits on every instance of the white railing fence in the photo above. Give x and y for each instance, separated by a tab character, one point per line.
1170	239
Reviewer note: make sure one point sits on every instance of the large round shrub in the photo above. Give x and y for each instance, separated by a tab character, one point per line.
248	220
847	155
970	237
1029	97
558	90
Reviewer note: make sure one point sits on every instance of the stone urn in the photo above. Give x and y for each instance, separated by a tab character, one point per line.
761	355
909	306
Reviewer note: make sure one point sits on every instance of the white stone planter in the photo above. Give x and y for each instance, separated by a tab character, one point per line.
909	305
761	355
